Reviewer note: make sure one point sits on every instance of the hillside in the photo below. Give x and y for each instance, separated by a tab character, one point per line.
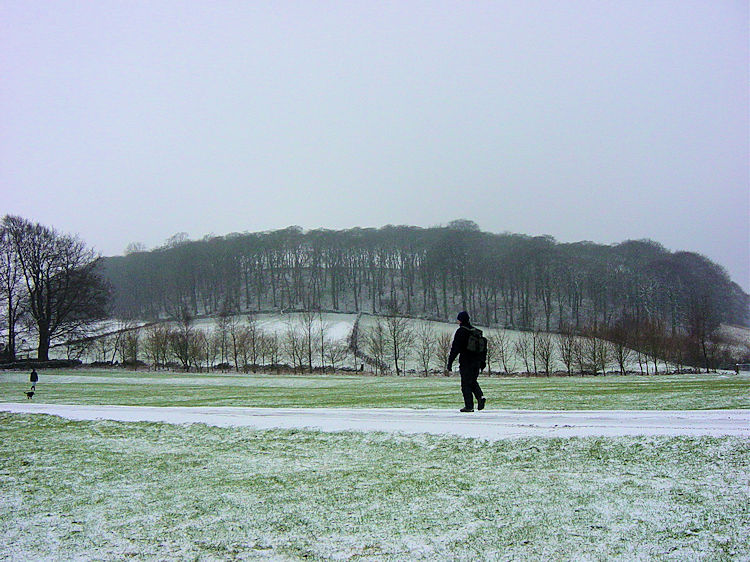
638	292
300	341
506	279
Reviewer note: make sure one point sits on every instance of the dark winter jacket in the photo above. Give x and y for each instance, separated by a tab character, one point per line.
458	349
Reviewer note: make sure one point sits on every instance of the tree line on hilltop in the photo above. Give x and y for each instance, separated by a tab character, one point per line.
636	288
504	279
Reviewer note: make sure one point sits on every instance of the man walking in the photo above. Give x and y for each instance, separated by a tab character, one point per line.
33	378
470	362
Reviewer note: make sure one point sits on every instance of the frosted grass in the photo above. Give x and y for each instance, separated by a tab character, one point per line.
612	392
107	490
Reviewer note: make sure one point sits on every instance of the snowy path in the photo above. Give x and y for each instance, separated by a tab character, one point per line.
489	424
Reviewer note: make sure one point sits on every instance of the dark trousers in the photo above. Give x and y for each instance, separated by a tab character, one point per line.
469	384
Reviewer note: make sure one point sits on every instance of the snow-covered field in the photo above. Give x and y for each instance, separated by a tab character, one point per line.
336	326
738	338
489	424
104	490
197	469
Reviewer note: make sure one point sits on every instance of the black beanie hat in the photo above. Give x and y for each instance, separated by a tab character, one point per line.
463	317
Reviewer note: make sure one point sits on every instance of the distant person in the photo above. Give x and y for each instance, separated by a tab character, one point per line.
34	378
470	362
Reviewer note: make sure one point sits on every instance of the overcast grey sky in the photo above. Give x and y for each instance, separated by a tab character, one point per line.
586	120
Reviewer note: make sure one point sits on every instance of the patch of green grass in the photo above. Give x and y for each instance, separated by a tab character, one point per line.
672	392
107	490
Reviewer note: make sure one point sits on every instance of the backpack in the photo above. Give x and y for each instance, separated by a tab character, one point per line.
476	343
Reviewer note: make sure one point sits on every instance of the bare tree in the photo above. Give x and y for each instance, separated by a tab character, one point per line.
130	346
78	348
602	354
400	338
306	328
566	347
322	331
244	343
234	327
240	337
116	339
579	354
199	349
713	352
544	349
590	355
156	344
103	345
64	289
134	248
336	353
11	290
678	346
254	342
271	348
653	340
424	344
376	343
621	353
524	348
491	355
442	349
223	323
594	354
501	350
210	344
293	345
181	339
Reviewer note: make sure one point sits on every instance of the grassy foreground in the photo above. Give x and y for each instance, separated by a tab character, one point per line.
674	392
106	490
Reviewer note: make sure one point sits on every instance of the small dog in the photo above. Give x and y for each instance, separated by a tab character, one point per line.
29	394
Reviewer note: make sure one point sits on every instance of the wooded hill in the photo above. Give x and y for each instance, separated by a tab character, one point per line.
504	279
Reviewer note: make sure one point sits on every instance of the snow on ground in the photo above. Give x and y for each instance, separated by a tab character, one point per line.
491	425
338	326
738	338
